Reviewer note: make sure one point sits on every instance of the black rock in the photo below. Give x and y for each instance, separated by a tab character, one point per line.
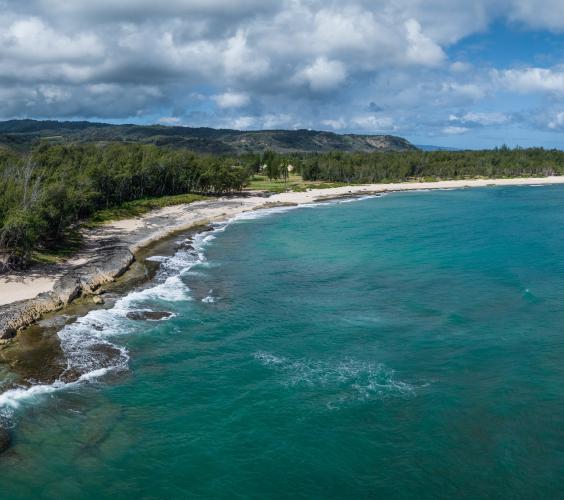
5	439
148	315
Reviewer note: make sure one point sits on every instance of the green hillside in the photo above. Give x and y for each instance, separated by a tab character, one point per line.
22	134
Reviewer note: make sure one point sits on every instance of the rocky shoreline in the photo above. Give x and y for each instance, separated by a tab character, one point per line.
109	263
110	255
112	251
113	247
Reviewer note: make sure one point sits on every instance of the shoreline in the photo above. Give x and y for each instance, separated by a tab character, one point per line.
110	249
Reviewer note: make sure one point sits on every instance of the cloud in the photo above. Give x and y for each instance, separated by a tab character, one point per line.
272	63
473	91
323	75
375	108
232	100
170	120
460	67
421	49
557	121
480	118
532	80
278	120
31	40
335	124
243	123
547	14
139	10
374	123
452	130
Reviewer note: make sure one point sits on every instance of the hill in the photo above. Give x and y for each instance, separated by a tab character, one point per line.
22	134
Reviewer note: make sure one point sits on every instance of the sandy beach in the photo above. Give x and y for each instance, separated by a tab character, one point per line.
141	231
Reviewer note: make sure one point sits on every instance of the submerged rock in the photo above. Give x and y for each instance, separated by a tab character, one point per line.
57	321
275	204
148	315
5	439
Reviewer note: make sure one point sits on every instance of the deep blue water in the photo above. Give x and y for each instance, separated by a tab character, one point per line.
406	346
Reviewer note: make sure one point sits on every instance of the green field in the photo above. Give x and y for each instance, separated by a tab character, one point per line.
293	183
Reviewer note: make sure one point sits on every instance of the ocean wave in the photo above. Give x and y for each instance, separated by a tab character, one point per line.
350	379
172	289
360	198
90	344
259	214
13	399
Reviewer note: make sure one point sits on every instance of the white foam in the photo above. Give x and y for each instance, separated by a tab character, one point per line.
359	198
209	299
268	359
13	399
172	289
89	343
351	379
156	258
259	214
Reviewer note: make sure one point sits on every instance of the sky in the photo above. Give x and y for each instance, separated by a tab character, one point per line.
455	73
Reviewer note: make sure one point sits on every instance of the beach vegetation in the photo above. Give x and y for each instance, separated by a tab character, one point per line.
47	193
361	168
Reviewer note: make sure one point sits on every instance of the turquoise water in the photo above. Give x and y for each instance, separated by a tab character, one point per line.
406	346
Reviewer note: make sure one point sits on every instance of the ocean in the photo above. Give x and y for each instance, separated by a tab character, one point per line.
409	345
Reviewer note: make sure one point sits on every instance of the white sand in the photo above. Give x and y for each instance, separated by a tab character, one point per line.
14	288
313	195
141	231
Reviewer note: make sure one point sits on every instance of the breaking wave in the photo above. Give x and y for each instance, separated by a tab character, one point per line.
91	347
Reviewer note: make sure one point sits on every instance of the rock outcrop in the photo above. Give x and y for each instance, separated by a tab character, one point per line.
20	314
109	263
148	315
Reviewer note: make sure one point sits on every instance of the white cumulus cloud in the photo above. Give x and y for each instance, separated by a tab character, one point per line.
532	79
232	100
323	74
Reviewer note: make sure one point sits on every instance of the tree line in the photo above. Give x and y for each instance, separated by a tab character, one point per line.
394	167
44	193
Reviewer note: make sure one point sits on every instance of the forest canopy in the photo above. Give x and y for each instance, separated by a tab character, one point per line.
44	193
393	167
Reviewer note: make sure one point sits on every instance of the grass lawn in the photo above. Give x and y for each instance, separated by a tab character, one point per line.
294	183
